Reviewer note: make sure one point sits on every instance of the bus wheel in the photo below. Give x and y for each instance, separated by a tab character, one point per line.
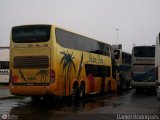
139	90
75	91
82	91
109	88
35	98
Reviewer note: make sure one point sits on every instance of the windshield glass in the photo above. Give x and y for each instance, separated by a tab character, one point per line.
144	51
117	54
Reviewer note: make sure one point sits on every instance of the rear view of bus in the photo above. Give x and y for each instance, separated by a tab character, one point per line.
30	55
4	65
157	65
143	71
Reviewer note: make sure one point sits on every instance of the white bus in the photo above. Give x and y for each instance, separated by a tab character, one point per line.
143	70
123	59
157	65
4	65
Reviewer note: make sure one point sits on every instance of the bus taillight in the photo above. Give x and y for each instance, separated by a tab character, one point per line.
52	75
14	79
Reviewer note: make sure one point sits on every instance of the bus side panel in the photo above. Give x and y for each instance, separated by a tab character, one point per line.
4	78
157	65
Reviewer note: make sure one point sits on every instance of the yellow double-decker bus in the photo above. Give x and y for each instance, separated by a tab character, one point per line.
48	60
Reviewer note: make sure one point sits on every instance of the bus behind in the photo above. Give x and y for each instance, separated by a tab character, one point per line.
157	65
4	65
143	70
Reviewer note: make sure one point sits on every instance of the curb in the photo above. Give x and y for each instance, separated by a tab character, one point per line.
11	97
7	97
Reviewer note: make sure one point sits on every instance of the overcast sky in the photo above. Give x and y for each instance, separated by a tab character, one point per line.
138	21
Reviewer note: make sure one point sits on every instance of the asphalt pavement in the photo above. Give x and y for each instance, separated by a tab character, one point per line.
5	92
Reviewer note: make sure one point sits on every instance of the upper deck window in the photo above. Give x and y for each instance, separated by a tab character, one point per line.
78	42
31	33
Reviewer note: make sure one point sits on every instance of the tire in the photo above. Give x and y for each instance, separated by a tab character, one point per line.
119	90
82	91
128	85
35	98
121	83
158	97
139	90
109	88
75	91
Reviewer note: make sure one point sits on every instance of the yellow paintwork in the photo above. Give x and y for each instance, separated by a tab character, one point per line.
53	51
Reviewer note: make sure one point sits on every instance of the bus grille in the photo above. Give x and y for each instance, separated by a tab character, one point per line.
31	62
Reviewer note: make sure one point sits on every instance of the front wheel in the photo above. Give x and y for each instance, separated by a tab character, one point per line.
139	90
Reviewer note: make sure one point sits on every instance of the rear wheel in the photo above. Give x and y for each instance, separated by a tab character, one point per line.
158	96
35	98
82	91
48	98
109	88
139	90
75	91
128	84
120	87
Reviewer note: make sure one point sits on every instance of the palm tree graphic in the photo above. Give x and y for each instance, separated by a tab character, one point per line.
43	74
80	66
22	75
68	63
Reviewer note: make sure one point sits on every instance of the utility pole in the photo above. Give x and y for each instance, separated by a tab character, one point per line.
117	34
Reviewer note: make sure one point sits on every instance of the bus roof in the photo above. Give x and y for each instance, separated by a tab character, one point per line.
66	29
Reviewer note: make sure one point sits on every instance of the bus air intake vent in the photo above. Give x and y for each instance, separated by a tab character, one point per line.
31	62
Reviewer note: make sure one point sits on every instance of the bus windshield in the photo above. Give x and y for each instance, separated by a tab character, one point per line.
117	54
31	33
4	65
144	51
